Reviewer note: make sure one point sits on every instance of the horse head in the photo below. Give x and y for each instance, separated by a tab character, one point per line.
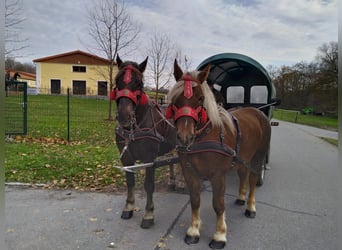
187	106
128	92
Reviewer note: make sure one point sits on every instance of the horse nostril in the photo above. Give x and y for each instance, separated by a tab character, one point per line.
185	140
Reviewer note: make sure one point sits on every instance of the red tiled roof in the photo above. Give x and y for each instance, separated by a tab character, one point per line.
23	75
73	55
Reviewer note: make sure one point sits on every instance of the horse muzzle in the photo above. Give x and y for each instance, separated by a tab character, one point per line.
185	131
125	115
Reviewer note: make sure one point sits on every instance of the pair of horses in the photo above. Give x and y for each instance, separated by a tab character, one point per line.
208	139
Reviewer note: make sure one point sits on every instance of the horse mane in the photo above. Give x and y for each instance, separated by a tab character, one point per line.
217	114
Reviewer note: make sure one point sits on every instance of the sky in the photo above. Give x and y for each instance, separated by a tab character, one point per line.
273	32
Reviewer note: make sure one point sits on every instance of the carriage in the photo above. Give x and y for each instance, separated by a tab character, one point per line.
240	81
209	140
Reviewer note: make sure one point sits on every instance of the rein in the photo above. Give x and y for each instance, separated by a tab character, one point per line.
137	132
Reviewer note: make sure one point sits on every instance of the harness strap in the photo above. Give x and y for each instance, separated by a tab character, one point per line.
129	136
218	147
138	134
208	146
237	157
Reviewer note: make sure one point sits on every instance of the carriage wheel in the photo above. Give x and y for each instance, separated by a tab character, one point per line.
261	175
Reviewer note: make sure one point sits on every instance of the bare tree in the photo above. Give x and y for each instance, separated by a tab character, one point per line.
160	53
112	30
328	59
312	84
13	20
183	60
11	63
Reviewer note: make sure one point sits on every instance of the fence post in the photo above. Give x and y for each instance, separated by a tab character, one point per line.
68	114
25	107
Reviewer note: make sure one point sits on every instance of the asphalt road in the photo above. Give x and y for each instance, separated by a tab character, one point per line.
296	208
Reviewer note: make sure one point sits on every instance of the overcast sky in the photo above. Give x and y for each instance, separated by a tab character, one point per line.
273	32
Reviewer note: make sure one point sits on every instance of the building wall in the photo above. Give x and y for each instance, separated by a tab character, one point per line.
46	71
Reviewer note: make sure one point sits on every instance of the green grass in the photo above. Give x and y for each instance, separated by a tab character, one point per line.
311	120
45	156
85	162
331	141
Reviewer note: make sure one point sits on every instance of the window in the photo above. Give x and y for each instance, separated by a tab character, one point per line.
259	94
102	88
235	94
79	87
79	69
55	86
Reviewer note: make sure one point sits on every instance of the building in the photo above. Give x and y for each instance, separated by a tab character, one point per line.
81	72
21	76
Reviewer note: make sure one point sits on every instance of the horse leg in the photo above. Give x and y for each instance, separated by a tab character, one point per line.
251	210
176	181
256	165
243	173
148	218
127	213
180	182
219	186
194	185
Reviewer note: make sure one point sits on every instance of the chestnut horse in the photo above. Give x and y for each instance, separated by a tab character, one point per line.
142	132
210	142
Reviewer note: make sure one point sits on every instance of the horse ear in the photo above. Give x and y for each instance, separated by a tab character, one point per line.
177	71
118	60
203	74
142	66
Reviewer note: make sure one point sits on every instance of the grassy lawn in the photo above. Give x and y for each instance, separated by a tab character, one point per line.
311	120
45	156
85	162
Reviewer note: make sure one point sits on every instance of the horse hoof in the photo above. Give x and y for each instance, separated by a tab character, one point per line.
126	215
147	223
240	202
191	239
217	244
250	214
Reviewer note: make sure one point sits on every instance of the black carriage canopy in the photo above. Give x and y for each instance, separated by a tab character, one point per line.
241	80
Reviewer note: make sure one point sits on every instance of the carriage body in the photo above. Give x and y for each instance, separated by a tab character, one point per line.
242	82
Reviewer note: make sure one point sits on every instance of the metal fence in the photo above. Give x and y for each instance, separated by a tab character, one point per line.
69	117
65	117
58	117
15	108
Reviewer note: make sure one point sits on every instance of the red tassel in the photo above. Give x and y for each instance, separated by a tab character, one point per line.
169	112
204	116
143	99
